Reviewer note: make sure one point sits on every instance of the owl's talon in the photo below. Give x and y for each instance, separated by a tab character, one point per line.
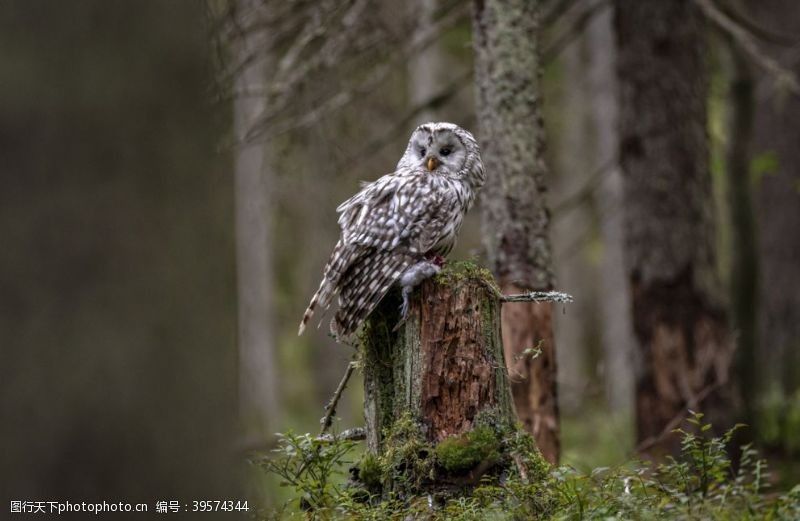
404	307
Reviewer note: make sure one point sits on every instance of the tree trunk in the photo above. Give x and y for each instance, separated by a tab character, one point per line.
614	300
515	216
679	320
572	232
438	382
258	392
744	261
777	134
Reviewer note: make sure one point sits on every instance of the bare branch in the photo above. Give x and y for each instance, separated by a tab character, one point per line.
374	78
575	23
762	33
539	296
330	408
742	38
354	434
437	100
555	10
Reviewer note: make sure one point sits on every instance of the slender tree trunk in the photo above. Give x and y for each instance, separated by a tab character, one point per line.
259	405
777	133
515	216
679	320
614	301
572	232
744	265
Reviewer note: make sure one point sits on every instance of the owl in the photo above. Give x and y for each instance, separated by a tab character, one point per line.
398	229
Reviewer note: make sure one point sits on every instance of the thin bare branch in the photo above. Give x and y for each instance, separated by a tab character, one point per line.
539	296
330	408
265	126
759	31
575	22
354	434
783	77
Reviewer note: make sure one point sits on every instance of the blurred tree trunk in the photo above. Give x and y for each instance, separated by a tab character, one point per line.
679	320
117	366
515	217
573	227
744	261
777	132
258	393
424	68
614	299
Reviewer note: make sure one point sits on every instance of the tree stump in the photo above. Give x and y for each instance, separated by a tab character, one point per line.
438	406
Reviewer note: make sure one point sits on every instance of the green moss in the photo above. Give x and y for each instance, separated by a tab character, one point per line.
370	473
496	419
454	272
460	454
376	341
522	445
407	460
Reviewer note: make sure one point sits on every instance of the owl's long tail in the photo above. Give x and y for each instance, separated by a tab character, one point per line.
338	262
364	285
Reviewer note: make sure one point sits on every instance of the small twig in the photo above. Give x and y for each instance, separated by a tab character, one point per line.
759	31
539	296
693	403
354	434
742	38
530	296
330	408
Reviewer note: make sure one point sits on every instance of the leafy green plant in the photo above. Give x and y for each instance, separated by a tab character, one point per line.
702	483
313	466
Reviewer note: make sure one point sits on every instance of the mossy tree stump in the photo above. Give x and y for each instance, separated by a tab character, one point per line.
438	405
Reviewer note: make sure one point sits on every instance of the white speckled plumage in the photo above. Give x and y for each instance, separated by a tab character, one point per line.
399	221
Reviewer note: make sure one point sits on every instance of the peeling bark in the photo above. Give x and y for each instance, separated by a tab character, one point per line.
444	365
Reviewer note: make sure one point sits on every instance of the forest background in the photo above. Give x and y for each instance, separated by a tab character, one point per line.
134	237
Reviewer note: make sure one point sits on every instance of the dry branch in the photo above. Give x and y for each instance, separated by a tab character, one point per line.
744	39
330	408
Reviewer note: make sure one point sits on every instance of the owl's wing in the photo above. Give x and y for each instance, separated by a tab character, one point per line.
393	231
397	213
386	227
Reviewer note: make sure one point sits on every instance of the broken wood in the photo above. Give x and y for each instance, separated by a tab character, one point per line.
439	384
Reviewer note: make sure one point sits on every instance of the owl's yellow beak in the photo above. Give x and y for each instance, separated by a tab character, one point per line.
432	164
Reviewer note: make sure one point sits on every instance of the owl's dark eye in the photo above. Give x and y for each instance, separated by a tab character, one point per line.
445	151
422	151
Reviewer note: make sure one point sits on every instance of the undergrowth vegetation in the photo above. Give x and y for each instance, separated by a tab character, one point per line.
702	483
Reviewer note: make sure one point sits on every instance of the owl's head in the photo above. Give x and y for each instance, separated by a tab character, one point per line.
445	149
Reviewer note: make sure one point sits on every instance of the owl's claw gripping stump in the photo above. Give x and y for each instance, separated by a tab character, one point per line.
412	277
404	307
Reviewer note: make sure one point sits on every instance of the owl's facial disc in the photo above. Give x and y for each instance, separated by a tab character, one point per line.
440	151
